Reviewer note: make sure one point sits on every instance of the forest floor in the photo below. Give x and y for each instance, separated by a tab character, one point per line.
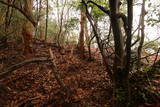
35	85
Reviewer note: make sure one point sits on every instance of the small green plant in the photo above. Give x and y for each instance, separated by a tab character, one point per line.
120	94
146	69
143	95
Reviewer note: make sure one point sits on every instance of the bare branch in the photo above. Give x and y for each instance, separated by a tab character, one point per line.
30	18
100	7
151	42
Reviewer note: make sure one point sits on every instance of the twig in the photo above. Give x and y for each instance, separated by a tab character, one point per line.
151	42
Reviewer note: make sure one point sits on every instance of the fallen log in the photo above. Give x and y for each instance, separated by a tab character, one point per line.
5	71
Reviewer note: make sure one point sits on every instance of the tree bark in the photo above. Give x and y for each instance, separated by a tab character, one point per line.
81	35
46	30
139	51
27	29
40	19
121	66
120	77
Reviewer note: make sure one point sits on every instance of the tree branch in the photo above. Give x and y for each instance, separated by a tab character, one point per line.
125	21
144	57
100	7
98	40
30	18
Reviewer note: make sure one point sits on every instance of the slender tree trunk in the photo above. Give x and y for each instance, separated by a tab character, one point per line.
8	17
46	30
81	35
128	50
40	20
87	38
59	36
90	40
6	25
142	34
86	33
37	17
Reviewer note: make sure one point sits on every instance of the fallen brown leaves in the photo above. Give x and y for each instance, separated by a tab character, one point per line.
35	84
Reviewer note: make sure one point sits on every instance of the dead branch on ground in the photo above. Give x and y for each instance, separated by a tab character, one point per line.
5	71
57	75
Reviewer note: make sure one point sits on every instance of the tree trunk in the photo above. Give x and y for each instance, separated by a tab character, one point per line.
46	30
120	77
142	34
41	30
40	20
60	32
87	39
86	33
121	66
81	35
38	10
27	28
90	39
